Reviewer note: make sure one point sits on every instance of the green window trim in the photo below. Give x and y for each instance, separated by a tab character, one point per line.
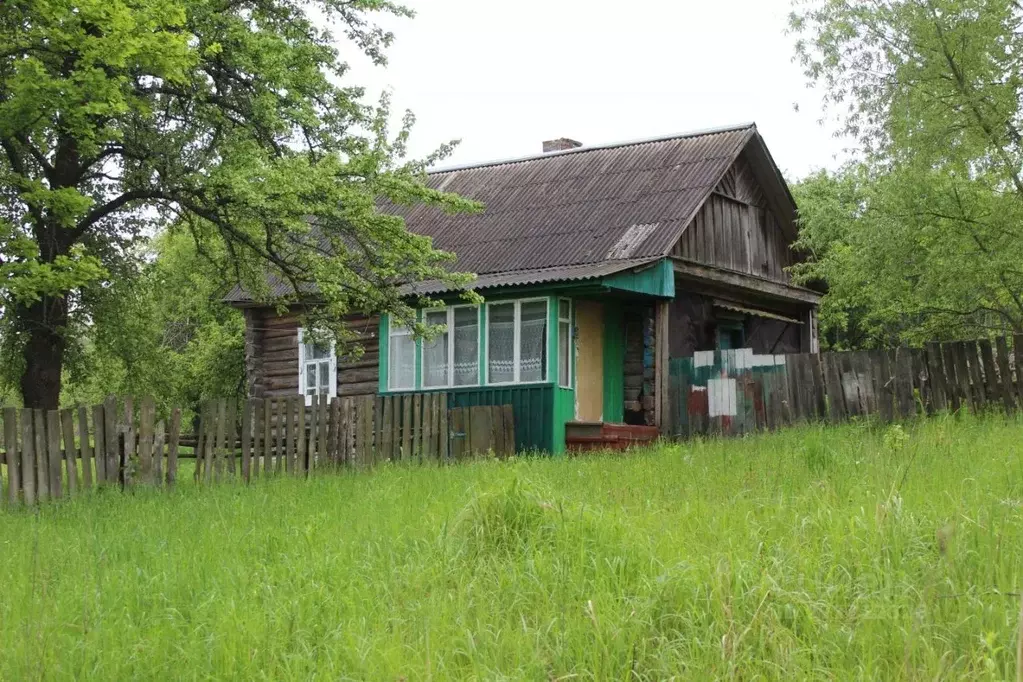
449	316
517	304
551	377
569	338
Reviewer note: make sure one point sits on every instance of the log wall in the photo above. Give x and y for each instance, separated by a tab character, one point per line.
271	355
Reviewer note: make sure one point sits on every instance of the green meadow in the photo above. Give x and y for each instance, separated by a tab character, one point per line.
850	552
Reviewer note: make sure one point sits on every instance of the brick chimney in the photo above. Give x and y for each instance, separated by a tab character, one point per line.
560	145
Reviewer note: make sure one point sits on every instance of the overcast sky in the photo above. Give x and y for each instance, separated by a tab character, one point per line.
504	76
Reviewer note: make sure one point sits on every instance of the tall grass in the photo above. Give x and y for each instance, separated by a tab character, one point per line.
816	553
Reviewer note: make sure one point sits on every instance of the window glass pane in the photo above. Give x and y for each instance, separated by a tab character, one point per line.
401	362
467	347
501	343
324	377
533	342
564	353
435	352
563	309
310	376
317	351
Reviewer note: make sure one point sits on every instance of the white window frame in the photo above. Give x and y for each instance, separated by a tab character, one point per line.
450	330
517	338
393	331
302	362
571	339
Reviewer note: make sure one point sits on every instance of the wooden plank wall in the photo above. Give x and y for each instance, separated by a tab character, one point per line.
735	392
54	454
271	349
735	229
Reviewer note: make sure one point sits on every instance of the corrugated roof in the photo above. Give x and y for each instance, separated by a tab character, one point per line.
569	273
577	207
548	214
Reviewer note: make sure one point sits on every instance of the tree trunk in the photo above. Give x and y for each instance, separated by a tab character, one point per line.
42	325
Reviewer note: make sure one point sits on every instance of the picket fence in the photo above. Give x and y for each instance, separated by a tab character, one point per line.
260	437
736	392
51	454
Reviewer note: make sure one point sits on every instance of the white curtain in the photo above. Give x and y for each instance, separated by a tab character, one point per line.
467	347
435	361
501	343
402	361
533	342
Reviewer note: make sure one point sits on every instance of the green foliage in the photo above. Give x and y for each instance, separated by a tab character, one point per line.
845	552
923	238
229	119
165	333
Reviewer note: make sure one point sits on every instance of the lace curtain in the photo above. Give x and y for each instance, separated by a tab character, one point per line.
533	342
402	361
467	347
435	352
501	345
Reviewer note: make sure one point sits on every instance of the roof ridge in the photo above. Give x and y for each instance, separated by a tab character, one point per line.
590	148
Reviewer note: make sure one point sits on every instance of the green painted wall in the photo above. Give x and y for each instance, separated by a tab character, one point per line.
533	405
563	411
385	353
656	280
564	398
614	362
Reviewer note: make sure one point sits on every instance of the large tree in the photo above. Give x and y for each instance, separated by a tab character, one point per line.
227	119
924	238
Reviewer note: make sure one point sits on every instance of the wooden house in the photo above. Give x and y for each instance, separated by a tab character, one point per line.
599	264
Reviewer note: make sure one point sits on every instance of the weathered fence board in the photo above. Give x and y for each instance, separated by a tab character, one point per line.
51	454
1005	387
734	392
12	454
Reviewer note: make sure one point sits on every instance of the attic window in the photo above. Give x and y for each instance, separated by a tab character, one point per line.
630	242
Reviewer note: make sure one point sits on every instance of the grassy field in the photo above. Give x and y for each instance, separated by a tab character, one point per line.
817	553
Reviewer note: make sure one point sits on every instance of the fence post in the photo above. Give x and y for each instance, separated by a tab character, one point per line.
147	415
70	460
42	460
128	456
28	459
99	444
11	444
159	433
172	446
111	438
53	454
85	447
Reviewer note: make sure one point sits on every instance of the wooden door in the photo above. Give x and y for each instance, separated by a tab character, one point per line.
589	383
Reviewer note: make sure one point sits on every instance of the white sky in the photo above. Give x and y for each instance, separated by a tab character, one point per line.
504	76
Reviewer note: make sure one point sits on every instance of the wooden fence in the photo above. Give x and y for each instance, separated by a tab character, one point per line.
733	392
49	454
260	437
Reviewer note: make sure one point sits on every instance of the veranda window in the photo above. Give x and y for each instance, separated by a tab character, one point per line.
517	342
401	358
451	358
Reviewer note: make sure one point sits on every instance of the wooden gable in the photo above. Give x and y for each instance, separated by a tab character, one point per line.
738	228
